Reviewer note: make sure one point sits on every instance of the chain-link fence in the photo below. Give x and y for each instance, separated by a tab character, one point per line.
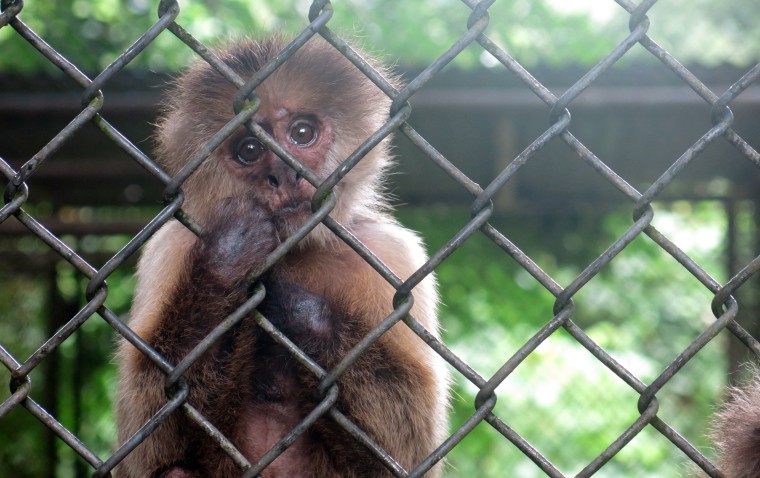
724	306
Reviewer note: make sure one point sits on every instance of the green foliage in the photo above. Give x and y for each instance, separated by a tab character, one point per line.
643	309
21	329
81	367
92	33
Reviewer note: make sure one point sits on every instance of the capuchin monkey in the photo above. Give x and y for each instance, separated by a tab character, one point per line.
736	432
322	295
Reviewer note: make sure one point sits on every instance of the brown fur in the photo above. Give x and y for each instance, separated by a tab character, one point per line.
736	432
249	388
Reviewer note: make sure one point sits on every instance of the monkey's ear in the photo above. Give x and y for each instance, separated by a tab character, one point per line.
736	431
173	144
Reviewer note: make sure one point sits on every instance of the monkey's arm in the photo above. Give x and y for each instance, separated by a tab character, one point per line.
386	396
396	390
208	286
416	378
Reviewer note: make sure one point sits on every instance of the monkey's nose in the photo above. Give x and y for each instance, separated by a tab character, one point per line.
282	177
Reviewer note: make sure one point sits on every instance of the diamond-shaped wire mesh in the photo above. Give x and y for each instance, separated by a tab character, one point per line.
724	306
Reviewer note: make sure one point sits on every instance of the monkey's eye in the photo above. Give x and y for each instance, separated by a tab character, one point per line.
250	150
302	133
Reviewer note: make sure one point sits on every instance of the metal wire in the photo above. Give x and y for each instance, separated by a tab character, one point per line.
245	105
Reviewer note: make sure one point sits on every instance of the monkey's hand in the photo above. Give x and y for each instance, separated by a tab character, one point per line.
306	318
234	243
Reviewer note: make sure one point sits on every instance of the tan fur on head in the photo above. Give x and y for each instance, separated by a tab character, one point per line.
736	432
317	77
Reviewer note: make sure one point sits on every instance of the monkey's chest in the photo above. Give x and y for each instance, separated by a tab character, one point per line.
274	383
277	407
276	378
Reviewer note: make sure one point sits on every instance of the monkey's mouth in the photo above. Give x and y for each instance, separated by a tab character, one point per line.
292	215
296	206
296	209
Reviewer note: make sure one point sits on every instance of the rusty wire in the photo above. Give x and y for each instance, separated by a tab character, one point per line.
245	104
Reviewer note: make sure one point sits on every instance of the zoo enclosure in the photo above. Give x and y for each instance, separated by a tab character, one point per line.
483	200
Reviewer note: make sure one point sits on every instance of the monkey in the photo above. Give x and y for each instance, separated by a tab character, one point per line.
322	295
735	431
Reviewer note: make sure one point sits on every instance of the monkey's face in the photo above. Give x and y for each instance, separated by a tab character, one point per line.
306	135
317	106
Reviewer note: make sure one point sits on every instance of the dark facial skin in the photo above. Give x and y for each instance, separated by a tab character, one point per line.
281	189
